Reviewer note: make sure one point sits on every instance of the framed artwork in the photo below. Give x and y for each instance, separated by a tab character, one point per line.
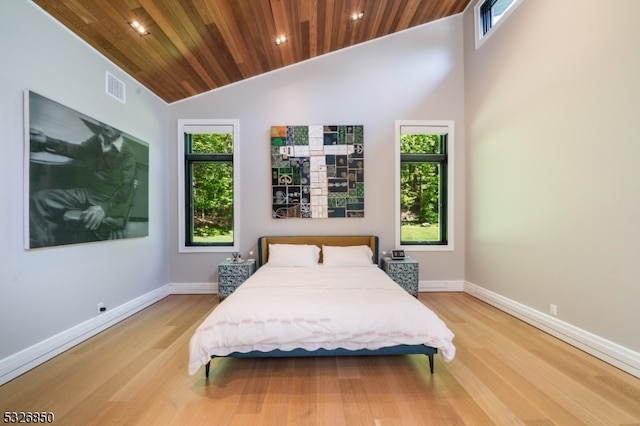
85	180
317	171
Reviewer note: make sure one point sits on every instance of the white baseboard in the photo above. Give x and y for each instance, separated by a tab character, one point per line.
193	288
20	362
610	352
23	361
431	286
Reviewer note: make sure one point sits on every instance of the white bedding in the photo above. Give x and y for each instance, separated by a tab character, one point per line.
317	307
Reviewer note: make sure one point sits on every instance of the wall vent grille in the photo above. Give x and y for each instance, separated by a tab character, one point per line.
115	88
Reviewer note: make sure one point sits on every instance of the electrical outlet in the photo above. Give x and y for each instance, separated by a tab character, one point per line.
553	309
101	308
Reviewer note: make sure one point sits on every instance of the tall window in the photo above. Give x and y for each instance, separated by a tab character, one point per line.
489	13
208	149
424	182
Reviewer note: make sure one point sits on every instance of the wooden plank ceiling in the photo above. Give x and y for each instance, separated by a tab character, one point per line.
194	46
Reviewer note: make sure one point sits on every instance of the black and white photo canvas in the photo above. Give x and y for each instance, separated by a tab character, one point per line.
85	180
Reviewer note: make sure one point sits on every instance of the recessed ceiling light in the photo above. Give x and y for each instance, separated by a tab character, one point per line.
280	40
140	29
356	16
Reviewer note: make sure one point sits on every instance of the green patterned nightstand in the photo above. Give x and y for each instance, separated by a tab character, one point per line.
404	272
231	274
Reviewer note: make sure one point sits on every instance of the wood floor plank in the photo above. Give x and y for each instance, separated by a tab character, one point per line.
505	372
541	407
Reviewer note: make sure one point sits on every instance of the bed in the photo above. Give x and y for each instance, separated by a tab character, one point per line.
319	296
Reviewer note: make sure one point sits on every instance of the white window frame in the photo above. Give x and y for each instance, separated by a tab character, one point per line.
201	125
449	125
481	38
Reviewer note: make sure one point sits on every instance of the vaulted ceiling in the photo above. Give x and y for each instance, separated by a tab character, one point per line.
194	46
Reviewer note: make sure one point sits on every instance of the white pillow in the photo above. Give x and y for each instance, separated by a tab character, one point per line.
293	255
338	256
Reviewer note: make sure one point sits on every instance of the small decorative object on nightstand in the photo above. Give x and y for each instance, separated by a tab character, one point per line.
404	272
232	273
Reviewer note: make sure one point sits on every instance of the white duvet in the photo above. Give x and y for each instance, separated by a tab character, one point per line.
317	307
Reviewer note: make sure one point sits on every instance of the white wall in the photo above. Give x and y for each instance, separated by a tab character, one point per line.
45	292
553	185
415	74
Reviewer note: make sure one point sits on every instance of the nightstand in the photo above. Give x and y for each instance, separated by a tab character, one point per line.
403	272
231	274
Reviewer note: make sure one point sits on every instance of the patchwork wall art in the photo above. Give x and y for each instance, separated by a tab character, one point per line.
317	171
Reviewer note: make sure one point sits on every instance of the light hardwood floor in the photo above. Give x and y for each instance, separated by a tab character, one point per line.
505	372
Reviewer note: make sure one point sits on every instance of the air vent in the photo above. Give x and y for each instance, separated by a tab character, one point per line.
116	88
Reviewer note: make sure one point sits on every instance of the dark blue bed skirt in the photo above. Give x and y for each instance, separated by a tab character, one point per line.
391	350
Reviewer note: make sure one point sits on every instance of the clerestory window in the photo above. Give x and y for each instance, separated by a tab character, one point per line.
489	13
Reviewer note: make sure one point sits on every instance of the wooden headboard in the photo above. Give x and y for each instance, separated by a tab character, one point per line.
318	240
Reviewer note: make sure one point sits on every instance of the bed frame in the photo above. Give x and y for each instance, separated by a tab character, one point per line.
332	240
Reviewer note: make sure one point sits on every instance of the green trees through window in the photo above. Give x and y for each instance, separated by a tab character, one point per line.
212	186
208	176
423	181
